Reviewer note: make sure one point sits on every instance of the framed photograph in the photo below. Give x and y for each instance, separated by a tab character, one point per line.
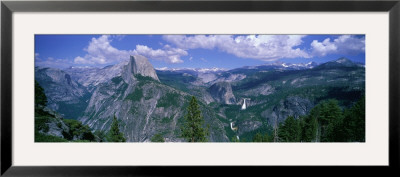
122	88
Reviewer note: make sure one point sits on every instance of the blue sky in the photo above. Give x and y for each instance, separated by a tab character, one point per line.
195	51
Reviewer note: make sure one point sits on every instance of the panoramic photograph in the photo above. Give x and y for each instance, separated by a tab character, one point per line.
244	88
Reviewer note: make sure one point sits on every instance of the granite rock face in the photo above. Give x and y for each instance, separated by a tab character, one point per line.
222	93
91	77
291	106
143	105
140	65
64	94
147	104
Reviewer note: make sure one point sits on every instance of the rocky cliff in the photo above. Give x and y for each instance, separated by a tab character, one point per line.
147	104
222	93
291	106
65	95
143	105
139	65
91	77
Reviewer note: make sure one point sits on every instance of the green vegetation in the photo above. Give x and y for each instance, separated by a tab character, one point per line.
43	121
73	111
346	85
117	84
81	141
143	79
114	134
42	118
314	84
354	122
169	99
290	131
100	136
167	120
326	122
176	80
192	129
309	127
117	80
264	130
234	139
66	108
262	138
40	97
274	95
40	137
77	131
136	95
157	138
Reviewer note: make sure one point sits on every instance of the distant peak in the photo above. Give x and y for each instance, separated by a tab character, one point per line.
79	67
343	60
340	62
139	64
214	69
202	70
162	69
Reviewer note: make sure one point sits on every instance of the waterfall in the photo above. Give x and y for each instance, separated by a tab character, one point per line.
244	104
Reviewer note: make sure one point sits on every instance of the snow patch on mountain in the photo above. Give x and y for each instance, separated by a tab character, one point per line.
91	77
201	70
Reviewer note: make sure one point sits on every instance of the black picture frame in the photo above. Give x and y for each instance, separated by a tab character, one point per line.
8	7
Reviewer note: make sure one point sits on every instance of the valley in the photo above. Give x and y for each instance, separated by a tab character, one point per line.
237	104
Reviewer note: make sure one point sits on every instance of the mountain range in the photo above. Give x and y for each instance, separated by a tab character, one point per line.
150	101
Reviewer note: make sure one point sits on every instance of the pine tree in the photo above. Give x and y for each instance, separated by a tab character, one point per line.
313	125
332	116
100	136
302	125
258	138
290	130
192	129
354	122
40	97
157	138
234	139
267	138
115	134
326	122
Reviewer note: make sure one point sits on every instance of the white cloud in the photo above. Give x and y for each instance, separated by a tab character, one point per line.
262	47
345	45
167	54
192	42
81	60
100	51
